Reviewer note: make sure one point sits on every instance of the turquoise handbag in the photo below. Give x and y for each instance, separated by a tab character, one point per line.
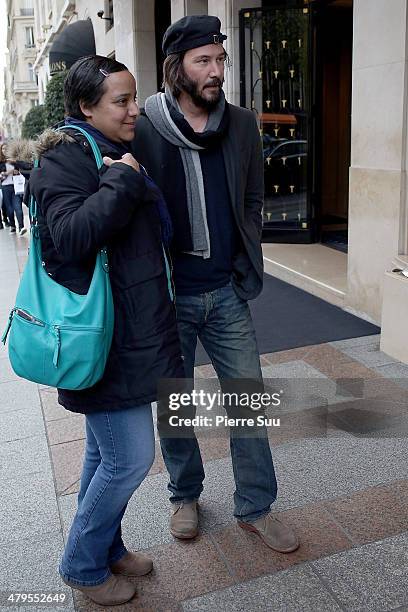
57	337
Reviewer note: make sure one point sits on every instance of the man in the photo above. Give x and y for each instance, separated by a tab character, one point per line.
206	157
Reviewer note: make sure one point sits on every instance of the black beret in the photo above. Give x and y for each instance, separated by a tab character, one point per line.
192	32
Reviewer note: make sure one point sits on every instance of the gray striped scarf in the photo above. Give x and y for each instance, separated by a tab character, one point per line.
157	110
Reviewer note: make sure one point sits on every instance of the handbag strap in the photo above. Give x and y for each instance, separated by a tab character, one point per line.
95	149
99	163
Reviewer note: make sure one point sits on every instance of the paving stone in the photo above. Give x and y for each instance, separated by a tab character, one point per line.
311	423
348	370
28	507
291	369
51	408
18	395
151	602
295	354
72	489
67	461
301	386
384	388
21	457
371	418
67	505
335	364
398	372
146	521
21	424
158	464
324	358
9	280
400	490
6	306
372	514
66	430
31	565
296	589
393	370
205	371
317	531
308	471
181	570
373	340
328	468
370	578
6	372
369	356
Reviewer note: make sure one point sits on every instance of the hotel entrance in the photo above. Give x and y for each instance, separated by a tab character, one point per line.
295	74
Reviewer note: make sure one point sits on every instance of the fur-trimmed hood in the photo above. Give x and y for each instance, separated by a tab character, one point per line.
49	139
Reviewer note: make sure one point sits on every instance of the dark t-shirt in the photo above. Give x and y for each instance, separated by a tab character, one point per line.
193	274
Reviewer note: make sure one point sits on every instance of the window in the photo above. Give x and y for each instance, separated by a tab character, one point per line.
31	74
29	37
27	7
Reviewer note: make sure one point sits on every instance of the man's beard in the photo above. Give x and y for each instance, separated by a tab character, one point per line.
191	88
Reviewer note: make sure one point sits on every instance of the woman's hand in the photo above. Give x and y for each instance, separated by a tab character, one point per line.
127	159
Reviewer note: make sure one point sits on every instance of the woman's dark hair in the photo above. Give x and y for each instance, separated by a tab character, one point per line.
2	155
85	82
173	72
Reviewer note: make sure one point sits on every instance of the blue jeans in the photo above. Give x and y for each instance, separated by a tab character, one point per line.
118	455
223	323
14	205
4	215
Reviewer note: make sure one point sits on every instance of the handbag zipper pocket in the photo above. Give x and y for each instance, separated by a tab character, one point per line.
28	317
23	314
57	332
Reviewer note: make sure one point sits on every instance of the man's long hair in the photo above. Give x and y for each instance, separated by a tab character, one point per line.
173	73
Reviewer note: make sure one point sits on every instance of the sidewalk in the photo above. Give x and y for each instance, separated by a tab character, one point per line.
346	494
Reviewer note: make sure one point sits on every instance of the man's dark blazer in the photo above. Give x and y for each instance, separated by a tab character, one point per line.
243	160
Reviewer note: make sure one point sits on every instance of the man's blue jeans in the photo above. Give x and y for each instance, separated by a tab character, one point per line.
222	321
118	455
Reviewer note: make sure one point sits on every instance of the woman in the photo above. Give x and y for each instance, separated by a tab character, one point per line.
81	211
7	189
3	214
19	154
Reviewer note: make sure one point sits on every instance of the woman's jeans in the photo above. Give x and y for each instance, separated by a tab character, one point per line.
223	323
14	205
4	216
118	455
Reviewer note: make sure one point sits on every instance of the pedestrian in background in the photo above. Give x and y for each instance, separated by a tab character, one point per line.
4	220
12	198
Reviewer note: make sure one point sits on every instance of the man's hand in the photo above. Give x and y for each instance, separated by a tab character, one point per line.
127	159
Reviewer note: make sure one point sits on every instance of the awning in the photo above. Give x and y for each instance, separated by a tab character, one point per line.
75	41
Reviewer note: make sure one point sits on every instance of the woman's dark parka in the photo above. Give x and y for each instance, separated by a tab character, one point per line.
81	211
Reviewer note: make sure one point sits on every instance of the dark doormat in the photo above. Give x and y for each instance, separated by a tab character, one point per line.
336	240
286	317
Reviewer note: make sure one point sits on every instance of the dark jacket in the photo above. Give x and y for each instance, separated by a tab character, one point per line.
81	211
243	159
23	167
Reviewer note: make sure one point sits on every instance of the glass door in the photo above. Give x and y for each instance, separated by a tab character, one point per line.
276	76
